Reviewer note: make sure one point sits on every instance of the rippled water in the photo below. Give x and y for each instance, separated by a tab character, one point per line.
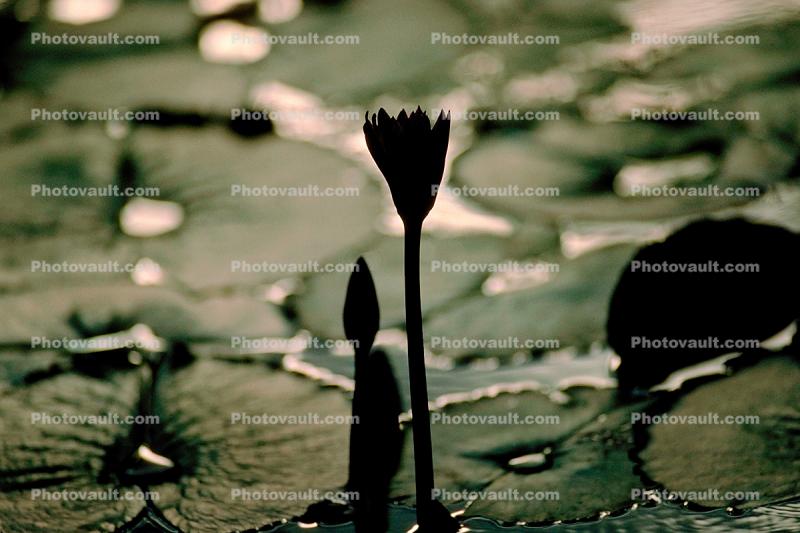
773	518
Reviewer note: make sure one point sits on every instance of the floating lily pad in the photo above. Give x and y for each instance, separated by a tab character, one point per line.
185	81
37	169
170	22
569	309
615	141
778	109
16	109
750	162
394	51
728	274
760	458
218	457
58	457
324	295
470	454
52	313
17	368
61	180
547	180
737	67
591	474
291	231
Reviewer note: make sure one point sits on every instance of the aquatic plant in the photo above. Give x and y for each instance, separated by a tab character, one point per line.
411	154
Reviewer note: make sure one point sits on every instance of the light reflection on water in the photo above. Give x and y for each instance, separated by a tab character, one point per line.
663	172
143	217
578	238
208	8
225	41
279	11
665	517
82	11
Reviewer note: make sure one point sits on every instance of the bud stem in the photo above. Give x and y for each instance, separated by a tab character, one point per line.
423	451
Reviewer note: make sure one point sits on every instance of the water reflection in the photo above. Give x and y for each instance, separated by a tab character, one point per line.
279	11
692	168
579	238
225	41
82	11
143	217
147	273
210	8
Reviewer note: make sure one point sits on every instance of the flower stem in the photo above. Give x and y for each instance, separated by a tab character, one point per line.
423	451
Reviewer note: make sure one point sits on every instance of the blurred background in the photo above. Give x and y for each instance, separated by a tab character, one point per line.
237	125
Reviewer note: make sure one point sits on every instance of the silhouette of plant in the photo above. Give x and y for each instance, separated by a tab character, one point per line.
376	440
410	154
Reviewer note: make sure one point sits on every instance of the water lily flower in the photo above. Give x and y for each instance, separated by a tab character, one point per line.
410	154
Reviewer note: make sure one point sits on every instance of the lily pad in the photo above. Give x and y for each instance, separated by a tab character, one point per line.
17	368
51	313
185	82
591	474
394	50
61	180
298	463
758	458
171	22
52	458
570	309
751	162
538	180
473	442
316	205
777	109
36	172
324	293
737	302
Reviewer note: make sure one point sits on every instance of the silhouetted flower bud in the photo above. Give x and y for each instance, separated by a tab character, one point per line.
410	155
